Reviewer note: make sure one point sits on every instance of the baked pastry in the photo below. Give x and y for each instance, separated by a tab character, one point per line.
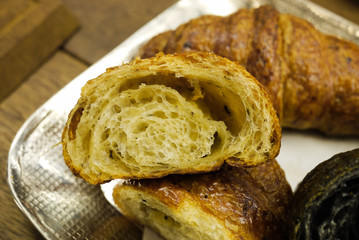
326	202
182	113
312	78
232	203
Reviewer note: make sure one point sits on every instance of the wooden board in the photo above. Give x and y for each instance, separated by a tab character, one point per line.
109	24
30	30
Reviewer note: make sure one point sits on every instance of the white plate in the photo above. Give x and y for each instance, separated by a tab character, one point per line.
62	206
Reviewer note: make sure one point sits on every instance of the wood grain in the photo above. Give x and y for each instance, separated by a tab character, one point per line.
29	32
104	26
13	112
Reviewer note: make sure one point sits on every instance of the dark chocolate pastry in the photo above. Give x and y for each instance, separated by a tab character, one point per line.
326	202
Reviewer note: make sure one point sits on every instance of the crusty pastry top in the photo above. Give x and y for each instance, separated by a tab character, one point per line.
252	203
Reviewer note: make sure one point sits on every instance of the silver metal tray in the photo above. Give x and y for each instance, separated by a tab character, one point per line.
62	206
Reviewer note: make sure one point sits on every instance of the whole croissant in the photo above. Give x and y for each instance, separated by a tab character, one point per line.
313	78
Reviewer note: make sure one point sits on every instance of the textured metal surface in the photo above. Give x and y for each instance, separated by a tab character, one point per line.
62	206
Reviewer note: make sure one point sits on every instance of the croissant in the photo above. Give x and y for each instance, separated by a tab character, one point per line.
232	203
182	113
325	203
312	78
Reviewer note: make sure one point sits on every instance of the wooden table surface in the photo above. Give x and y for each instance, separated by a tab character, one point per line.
104	25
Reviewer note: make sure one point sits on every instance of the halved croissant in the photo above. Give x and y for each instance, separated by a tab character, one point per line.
313	78
232	203
182	113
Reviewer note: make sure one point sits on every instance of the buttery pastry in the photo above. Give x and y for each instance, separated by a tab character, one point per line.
232	203
182	113
326	202
312	78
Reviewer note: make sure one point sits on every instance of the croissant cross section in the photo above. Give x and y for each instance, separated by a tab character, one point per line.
175	113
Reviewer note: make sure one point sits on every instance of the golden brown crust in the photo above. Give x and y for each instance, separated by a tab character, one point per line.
313	78
252	203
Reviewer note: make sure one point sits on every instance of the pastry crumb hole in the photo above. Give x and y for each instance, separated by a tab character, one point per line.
160	114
